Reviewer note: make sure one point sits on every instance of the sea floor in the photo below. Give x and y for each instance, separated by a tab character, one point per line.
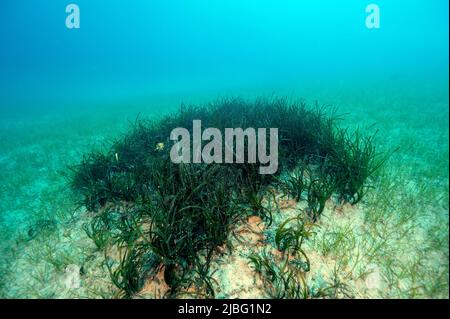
394	244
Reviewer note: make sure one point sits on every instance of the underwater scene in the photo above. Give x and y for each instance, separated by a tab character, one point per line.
226	149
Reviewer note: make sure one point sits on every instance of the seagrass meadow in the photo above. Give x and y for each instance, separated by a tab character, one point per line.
93	206
170	217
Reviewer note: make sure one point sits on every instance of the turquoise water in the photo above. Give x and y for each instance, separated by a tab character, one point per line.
66	91
144	48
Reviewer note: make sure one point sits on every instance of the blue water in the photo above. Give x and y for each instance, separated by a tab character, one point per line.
142	48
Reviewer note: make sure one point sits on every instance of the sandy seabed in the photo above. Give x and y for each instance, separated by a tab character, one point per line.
393	244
